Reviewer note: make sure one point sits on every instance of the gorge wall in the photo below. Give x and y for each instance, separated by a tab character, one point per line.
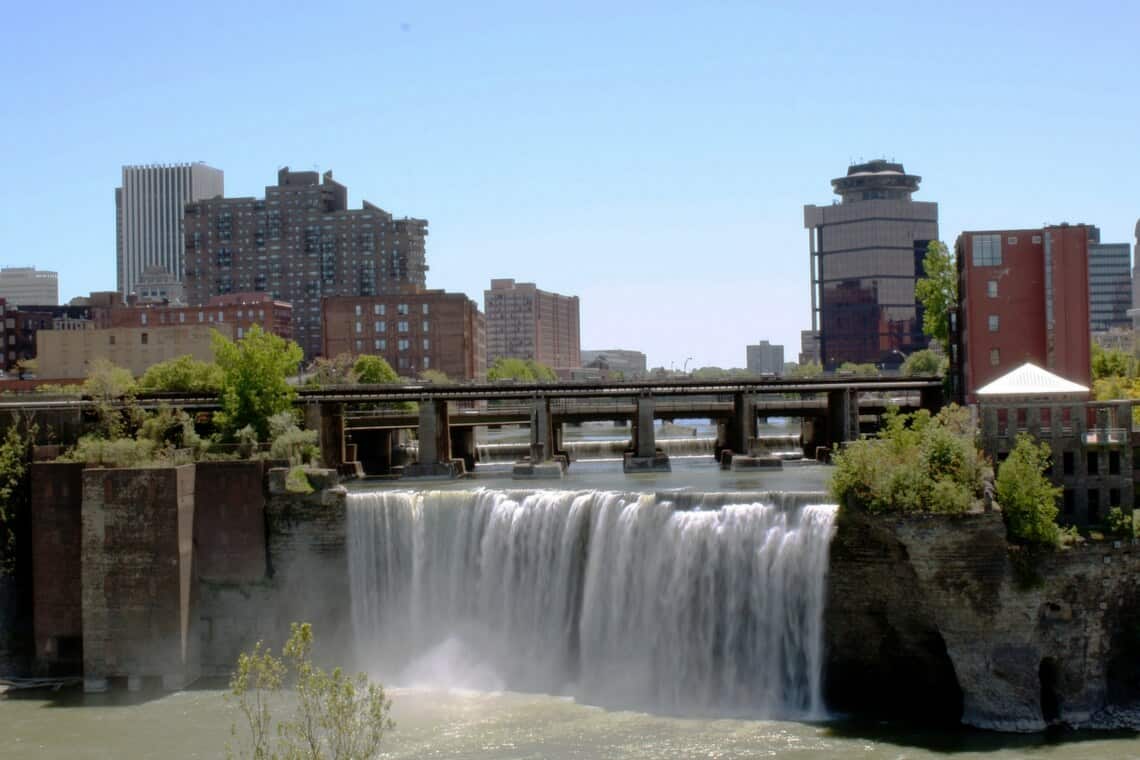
936	617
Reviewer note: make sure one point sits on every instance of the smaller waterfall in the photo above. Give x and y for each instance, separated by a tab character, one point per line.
615	598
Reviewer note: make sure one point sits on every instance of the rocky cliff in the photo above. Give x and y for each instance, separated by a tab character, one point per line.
937	617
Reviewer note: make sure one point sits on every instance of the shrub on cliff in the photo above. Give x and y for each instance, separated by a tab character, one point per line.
254	379
184	374
917	463
1027	497
290	708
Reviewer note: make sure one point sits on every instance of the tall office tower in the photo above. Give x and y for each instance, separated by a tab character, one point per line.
300	244
764	358
148	216
524	322
21	286
1023	296
866	255
1110	285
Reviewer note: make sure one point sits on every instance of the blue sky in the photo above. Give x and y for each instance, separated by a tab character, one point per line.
652	158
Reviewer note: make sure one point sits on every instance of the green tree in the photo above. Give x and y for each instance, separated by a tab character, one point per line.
523	370
374	370
859	370
938	292
289	708
107	381
254	379
806	370
1111	363
15	456
1027	497
184	374
924	362
334	371
435	377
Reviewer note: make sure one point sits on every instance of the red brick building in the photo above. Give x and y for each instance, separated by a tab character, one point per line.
1023	296
242	310
414	331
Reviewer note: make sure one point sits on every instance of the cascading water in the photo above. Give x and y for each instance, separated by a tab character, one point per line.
615	598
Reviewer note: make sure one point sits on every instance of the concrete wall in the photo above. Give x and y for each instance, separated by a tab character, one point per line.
229	521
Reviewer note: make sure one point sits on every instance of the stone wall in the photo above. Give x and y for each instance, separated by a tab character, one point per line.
229	521
138	587
937	617
306	580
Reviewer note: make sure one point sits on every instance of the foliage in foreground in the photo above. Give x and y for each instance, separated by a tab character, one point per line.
917	463
938	291
254	379
184	374
15	455
924	362
1027	497
524	370
290	708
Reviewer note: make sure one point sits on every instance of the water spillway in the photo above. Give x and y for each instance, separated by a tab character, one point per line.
680	602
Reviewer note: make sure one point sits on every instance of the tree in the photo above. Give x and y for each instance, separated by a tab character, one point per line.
182	375
1111	363
523	370
859	370
374	370
107	381
938	292
254	385
807	369
1028	499
334	371
331	714
924	362
15	457
435	377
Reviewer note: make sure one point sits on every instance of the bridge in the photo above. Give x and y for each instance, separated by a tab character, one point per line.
362	422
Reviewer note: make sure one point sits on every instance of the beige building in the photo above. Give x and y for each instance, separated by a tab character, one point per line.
69	353
21	286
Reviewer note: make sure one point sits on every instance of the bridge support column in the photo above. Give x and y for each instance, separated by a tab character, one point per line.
463	446
734	434
842	416
435	444
542	462
645	457
327	418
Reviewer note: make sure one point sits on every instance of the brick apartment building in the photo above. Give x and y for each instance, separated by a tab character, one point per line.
414	331
1023	297
300	244
524	322
242	310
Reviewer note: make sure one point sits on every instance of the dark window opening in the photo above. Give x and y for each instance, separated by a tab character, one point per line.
1094	506
1068	463
1048	676
1070	501
1092	463
1114	497
1114	463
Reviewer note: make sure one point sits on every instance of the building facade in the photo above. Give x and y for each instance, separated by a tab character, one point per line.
414	331
241	311
631	364
524	322
67	354
1110	285
27	285
156	285
1023	297
300	244
148	216
866	255
765	359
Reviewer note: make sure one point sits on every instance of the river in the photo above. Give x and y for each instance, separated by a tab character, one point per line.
527	702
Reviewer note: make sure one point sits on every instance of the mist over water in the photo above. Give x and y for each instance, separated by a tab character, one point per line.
613	598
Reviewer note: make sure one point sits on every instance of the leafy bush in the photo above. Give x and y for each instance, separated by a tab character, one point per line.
254	379
288	441
1120	523
116	452
917	463
329	713
523	370
374	370
296	481
1027	498
924	362
15	456
182	375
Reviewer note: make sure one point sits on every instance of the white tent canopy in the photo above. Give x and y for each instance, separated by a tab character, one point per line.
1031	380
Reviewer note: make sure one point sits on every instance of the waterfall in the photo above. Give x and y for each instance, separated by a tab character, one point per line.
614	598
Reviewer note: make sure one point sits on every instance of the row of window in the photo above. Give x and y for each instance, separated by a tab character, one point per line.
381	326
379	309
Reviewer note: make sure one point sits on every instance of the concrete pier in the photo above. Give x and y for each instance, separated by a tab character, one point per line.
435	459
645	457
543	463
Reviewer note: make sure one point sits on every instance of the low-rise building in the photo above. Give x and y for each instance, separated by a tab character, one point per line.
631	364
64	354
242	310
414	331
765	358
28	285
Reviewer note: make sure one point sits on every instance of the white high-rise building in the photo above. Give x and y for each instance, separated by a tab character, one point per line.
25	286
148	216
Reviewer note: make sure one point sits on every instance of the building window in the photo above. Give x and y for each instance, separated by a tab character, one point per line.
402	326
425	307
995	357
993	322
378	309
402	309
986	250
181	316
359	327
1114	497
426	326
144	337
200	317
380	344
427	344
380	326
427	362
991	288
403	344
359	345
358	310
1092	460
1114	463
142	319
1094	506
1069	500
111	340
1067	462
240	334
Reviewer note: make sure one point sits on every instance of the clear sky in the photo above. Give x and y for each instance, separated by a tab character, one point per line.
652	158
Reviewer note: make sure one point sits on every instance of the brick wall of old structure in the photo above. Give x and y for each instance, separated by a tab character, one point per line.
57	530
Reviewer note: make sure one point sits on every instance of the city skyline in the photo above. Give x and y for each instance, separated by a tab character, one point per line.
635	159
